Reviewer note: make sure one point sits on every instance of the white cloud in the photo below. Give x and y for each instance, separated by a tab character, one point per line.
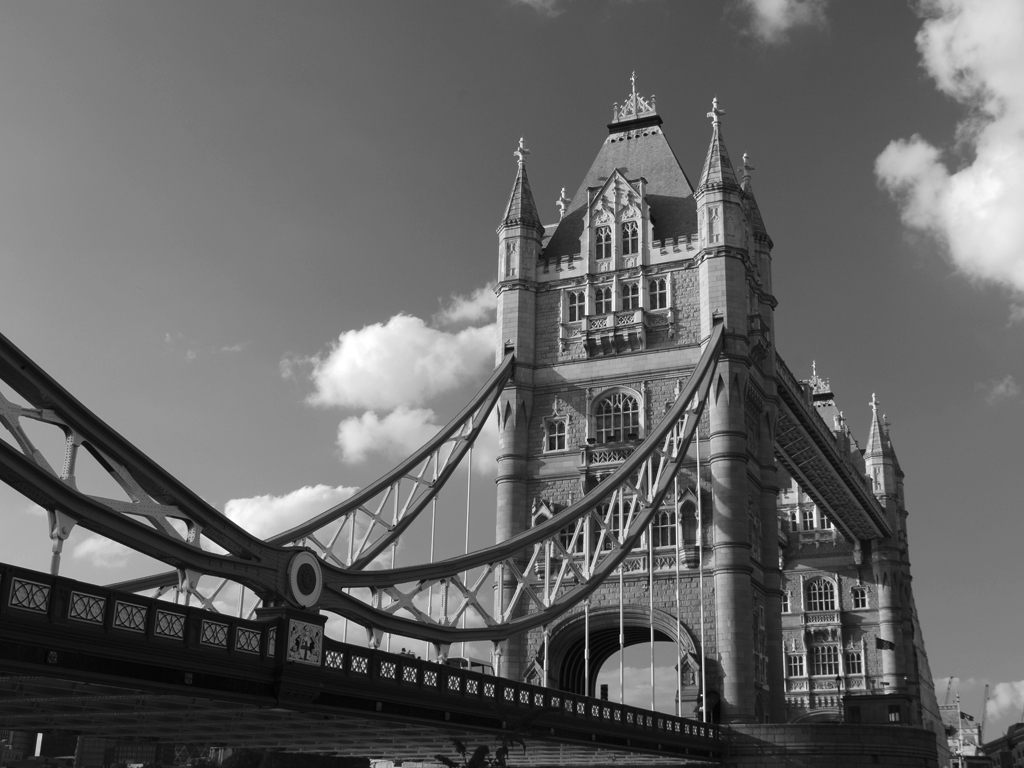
771	20
264	516
974	50
478	307
544	7
398	434
101	552
402	362
996	391
1006	698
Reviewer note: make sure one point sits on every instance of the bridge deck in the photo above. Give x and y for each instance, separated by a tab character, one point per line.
80	657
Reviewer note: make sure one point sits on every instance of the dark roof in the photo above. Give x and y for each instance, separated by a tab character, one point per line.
635	151
521	210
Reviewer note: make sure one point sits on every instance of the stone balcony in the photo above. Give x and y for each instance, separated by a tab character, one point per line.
615	332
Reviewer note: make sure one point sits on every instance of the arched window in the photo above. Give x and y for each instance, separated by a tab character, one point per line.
630	238
663	529
602	300
554	434
603	241
616	417
631	296
577	305
821	595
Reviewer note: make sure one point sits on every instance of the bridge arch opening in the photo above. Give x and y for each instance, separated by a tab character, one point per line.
568	668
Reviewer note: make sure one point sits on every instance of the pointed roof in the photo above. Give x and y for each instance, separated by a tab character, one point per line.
878	446
718	170
521	210
636	147
756	222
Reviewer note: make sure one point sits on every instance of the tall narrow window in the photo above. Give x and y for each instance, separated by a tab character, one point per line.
602	300
794	665
657	289
760	646
577	305
663	529
821	595
714	225
860	597
825	660
630	296
616	417
785	602
603	241
854	663
554	434
630	238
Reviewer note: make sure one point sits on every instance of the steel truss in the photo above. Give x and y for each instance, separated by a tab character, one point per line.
308	566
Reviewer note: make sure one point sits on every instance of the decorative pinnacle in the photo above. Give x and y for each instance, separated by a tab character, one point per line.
747	166
563	204
874	403
715	114
521	152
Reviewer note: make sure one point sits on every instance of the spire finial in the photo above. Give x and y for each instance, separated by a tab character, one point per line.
715	114
748	166
563	204
814	363
874	403
521	152
632	81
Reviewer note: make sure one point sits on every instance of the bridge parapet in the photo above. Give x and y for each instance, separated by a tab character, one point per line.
53	626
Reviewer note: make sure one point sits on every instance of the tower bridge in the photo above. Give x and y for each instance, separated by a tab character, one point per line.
661	475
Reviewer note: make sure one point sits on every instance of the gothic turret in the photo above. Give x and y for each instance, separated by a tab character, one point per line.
879	460
519	241
722	227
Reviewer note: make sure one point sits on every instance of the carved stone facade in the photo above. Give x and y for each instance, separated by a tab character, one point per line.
607	323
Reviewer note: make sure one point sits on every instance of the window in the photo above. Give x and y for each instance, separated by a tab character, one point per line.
785	602
602	300
616	417
577	305
714	225
613	521
854	663
603	239
794	665
808	523
760	647
554	434
821	596
663	529
630	238
860	597
630	296
658	292
894	713
565	538
825	660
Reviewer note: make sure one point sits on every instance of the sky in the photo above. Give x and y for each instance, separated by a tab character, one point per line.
257	239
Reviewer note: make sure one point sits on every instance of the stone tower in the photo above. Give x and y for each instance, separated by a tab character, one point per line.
607	312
